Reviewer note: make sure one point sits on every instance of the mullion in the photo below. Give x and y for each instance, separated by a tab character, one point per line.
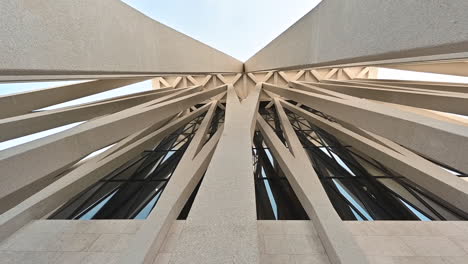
331	187
133	193
76	214
416	195
436	200
158	170
364	196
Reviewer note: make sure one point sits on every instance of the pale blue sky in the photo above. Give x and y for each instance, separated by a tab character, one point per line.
239	28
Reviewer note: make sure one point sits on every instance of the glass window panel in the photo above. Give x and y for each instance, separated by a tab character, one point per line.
342	163
358	217
441	210
133	189
95	209
352	199
351	175
143	214
416	211
270	197
400	190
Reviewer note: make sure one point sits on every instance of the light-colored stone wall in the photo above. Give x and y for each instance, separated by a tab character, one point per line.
69	241
280	242
293	242
412	242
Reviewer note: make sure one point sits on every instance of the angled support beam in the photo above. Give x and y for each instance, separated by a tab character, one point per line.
19	164
185	178
442	101
23	125
22	103
214	210
91	42
338	241
320	38
437	86
448	144
431	177
454	67
82	177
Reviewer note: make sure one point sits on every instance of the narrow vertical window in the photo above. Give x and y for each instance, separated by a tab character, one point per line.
275	197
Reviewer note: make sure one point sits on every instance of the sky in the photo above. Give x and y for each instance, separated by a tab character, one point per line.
239	28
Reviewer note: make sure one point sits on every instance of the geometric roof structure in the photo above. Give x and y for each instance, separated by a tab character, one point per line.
298	155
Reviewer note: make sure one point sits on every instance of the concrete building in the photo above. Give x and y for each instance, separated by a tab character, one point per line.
299	155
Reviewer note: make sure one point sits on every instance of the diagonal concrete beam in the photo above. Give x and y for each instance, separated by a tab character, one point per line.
19	165
448	141
106	37
338	32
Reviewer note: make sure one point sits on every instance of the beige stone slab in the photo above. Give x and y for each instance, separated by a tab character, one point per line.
28	257
53	242
71	257
454	260
461	241
384	246
299	227
270	227
101	257
406	260
311	259
276	244
162	258
305	244
433	246
111	243
276	259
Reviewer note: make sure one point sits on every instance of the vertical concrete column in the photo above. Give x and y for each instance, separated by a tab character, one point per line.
221	226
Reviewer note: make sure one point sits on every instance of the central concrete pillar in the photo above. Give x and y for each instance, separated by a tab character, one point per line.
222	224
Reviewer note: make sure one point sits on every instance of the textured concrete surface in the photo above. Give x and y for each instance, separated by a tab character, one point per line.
69	241
221	226
412	242
105	36
294	242
362	30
